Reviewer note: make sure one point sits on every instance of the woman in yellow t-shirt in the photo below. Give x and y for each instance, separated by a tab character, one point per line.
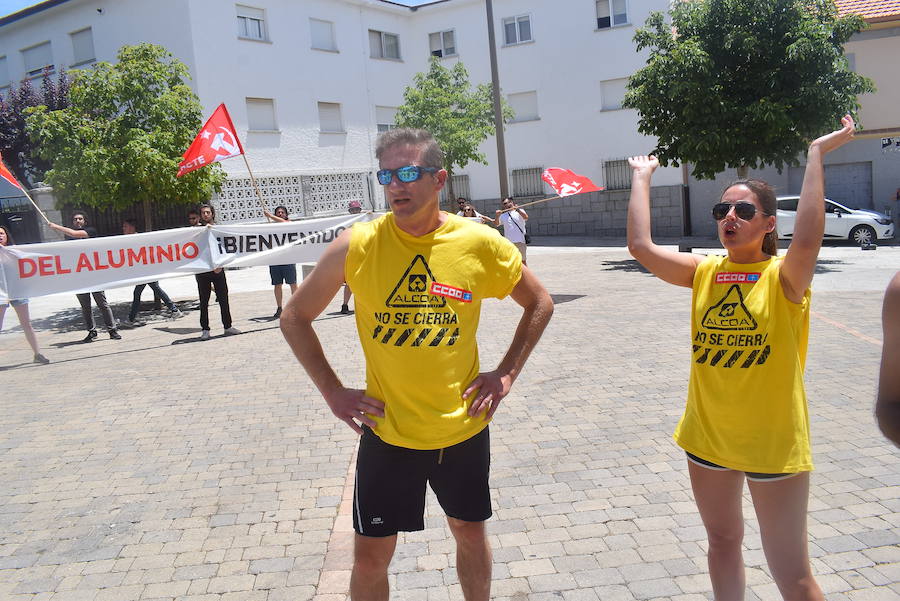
746	414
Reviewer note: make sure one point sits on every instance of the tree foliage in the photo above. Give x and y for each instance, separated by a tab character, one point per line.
459	117
738	83
120	141
16	147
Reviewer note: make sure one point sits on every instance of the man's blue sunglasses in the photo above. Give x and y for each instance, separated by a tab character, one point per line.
407	174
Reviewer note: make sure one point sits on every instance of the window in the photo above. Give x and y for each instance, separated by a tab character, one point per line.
517	29
4	72
460	188
611	12
261	114
37	58
612	93
442	43
330	118
616	174
82	46
385	118
384	45
525	106
322	35
527	182
251	23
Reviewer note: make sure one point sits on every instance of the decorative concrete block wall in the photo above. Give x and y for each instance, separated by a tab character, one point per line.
601	214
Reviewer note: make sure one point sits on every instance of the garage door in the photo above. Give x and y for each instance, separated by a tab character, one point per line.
847	183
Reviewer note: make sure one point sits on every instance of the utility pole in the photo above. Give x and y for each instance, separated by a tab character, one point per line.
498	112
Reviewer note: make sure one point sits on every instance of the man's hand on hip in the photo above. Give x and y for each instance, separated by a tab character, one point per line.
351	404
492	386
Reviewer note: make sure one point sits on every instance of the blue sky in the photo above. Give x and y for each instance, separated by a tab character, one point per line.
8	7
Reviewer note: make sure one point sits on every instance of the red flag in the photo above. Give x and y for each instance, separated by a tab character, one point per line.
8	176
216	142
567	183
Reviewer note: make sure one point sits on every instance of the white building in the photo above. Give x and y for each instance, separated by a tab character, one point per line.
309	84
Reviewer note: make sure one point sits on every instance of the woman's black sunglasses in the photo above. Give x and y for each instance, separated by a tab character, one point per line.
743	210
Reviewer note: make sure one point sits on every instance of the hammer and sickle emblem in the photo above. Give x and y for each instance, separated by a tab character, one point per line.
220	143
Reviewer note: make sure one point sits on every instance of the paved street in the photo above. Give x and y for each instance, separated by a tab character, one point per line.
161	467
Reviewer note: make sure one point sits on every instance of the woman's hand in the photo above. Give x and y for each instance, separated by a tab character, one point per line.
837	138
643	164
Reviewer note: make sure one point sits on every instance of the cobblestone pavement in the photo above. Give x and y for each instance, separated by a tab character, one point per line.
160	467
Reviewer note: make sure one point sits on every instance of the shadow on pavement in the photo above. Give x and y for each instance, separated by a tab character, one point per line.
822	265
626	265
559	299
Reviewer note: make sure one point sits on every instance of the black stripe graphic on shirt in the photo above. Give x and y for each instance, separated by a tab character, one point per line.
453	337
764	355
718	356
402	337
421	337
750	359
702	358
376	332
733	358
387	335
440	336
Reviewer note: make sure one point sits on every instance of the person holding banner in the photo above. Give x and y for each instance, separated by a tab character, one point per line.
129	226
281	274
354	208
746	416
209	280
21	307
419	275
79	231
513	219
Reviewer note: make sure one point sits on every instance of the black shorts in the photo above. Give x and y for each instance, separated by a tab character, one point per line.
283	273
389	492
753	476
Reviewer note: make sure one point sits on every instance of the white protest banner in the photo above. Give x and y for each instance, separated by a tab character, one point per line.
90	264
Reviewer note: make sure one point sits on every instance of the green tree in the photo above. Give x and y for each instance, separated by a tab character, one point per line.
16	147
460	118
120	141
743	83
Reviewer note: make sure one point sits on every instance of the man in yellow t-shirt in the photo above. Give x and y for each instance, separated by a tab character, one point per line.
419	276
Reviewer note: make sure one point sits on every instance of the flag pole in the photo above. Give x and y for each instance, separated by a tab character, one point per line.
28	196
255	186
534	202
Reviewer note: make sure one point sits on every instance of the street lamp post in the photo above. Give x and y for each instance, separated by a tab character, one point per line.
498	111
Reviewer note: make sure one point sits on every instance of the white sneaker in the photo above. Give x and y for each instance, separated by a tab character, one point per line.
176	314
232	331
204	335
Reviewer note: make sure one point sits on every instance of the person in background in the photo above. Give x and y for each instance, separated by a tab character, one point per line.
20	305
80	231
210	280
513	219
354	208
129	226
471	214
281	274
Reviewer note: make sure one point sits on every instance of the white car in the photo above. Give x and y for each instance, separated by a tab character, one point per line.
860	226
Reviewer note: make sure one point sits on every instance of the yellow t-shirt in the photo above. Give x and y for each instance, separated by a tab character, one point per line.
418	302
746	407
